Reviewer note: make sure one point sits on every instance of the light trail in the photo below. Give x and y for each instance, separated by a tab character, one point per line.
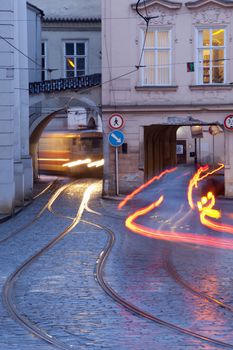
213	213
197	178
54	159
179	237
97	163
205	207
76	163
142	187
193	183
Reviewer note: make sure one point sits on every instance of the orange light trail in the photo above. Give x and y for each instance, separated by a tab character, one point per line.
196	178
179	237
207	210
205	207
193	183
54	159
142	187
213	213
221	166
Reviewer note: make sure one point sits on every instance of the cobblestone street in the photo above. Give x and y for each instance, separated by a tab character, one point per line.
58	292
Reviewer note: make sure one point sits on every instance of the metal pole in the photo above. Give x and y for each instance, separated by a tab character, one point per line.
199	150
213	151
195	159
116	171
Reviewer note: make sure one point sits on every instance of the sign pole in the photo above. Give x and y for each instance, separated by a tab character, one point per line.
213	151
116	171
116	139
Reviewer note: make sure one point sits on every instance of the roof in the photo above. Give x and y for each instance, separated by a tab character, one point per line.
35	8
72	19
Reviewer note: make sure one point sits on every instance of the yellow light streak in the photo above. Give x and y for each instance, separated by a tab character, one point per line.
97	164
71	63
218	31
55	159
76	163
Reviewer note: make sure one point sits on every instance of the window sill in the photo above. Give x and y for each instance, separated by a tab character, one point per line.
211	87
156	88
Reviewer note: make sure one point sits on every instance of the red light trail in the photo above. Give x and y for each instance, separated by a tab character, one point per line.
142	187
205	207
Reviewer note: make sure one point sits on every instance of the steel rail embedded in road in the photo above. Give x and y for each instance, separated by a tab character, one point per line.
45	189
37	216
10	282
180	280
100	264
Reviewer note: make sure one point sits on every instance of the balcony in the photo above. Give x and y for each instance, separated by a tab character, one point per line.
62	84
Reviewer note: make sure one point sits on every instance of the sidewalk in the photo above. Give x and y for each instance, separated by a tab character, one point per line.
38	186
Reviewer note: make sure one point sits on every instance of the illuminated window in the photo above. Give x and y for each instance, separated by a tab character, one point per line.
157	58
211	52
75	59
44	75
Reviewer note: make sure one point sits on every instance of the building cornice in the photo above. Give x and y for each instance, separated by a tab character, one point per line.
199	3
165	3
228	108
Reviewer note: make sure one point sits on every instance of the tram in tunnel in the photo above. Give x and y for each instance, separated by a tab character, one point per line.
71	153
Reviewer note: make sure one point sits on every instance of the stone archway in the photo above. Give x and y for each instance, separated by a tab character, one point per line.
160	148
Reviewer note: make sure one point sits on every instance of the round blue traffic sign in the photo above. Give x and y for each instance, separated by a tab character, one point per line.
116	138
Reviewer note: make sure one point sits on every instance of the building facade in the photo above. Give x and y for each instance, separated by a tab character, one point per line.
70	49
166	68
15	161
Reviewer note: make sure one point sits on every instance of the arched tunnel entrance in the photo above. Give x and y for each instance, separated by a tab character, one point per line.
170	145
159	148
67	136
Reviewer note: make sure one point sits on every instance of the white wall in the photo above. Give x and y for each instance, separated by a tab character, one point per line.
34	43
15	163
69	8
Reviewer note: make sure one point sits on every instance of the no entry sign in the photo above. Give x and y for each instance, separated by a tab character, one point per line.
228	122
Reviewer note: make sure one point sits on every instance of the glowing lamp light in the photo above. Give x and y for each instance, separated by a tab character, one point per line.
76	163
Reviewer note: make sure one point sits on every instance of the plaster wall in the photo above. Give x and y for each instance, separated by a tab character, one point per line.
14	104
34	44
122	43
55	41
181	103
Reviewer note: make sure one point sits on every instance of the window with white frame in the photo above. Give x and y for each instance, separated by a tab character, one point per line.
211	53
44	75
157	58
75	58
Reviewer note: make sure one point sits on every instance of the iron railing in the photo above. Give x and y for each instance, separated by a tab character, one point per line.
65	84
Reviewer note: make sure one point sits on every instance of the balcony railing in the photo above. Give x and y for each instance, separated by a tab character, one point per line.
65	84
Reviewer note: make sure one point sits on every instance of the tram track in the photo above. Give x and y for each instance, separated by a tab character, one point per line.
99	274
9	286
172	271
8	289
181	281
52	187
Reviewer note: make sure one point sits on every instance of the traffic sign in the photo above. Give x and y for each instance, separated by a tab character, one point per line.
228	122
116	138
116	121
